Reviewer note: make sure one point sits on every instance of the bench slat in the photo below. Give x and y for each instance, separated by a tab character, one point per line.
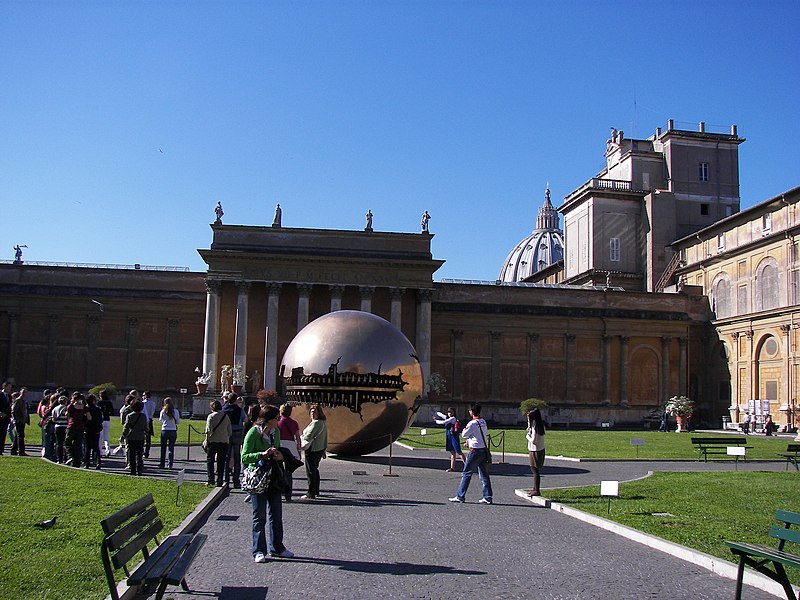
128	531
111	522
127	552
178	571
785	558
152	566
787	516
168	560
785	534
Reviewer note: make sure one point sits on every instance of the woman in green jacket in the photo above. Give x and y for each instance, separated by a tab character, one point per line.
315	441
261	445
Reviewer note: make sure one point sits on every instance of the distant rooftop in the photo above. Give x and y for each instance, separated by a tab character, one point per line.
134	267
557	286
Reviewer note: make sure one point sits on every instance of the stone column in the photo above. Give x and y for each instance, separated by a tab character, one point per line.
271	349
752	365
494	390
683	362
211	333
336	297
303	293
665	342
366	297
785	405
606	369
13	333
569	364
458	363
735	390
423	344
240	341
91	350
52	350
623	370
396	294
130	367
533	365
172	353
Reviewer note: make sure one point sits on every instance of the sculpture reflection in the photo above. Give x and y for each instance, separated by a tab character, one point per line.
365	373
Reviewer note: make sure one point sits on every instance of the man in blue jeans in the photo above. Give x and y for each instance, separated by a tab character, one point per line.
477	437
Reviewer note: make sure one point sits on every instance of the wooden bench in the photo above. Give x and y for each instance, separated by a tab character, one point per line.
718	445
129	531
759	556
792	455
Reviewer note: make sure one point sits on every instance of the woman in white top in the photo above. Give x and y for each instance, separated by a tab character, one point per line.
169	417
451	442
535	436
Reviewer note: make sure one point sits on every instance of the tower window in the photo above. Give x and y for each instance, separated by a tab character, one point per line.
613	247
766	222
704	209
703	171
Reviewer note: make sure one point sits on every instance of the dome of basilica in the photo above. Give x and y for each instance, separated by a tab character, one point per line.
542	248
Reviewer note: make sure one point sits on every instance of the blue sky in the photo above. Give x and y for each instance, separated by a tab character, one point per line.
123	123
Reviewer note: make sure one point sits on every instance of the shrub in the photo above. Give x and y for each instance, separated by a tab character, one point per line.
110	389
528	405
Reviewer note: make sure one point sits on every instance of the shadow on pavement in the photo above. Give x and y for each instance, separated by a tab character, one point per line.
440	464
401	568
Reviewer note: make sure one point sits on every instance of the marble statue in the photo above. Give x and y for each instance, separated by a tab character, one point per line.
276	222
425	218
369	221
219	212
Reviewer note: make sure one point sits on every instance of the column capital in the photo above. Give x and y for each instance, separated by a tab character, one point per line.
12	316
213	286
682	341
665	339
396	293
133	322
570	337
53	317
624	339
750	334
496	335
735	336
606	338
424	294
366	291
786	328
533	337
305	288
457	332
93	320
274	287
172	323
336	289
243	285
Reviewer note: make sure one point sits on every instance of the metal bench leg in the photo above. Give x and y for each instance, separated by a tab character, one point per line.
162	587
740	578
185	585
784	580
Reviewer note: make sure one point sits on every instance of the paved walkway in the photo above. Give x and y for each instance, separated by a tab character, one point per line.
374	536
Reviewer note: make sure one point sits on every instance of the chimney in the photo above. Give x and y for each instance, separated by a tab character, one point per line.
733	130
670	124
702	126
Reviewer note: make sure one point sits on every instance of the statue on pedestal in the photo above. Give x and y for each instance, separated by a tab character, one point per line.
425	218
276	222
255	380
219	212
225	379
369	221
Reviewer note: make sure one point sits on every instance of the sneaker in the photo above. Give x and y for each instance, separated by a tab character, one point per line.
260	557
484	501
247	498
307	497
284	554
456	499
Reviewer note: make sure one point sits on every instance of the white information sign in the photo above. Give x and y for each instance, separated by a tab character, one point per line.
423	432
736	451
609	488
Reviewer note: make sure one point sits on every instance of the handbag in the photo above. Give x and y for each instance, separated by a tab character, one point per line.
255	479
291	463
488	452
278	480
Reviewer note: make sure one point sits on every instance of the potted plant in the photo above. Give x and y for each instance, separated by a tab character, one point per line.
203	379
238	378
681	408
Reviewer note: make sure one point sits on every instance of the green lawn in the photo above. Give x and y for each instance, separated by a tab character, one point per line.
703	509
64	562
608	444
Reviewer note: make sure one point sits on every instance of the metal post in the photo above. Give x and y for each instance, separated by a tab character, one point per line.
390	474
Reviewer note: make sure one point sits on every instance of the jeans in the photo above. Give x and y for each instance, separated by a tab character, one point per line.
168	438
61	435
312	472
267	512
74	445
3	429
234	461
50	442
18	445
135	456
217	455
476	461
92	447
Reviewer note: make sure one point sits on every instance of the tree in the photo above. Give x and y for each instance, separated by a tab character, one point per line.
529	404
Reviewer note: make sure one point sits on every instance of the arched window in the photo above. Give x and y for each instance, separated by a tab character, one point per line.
721	297
768	294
